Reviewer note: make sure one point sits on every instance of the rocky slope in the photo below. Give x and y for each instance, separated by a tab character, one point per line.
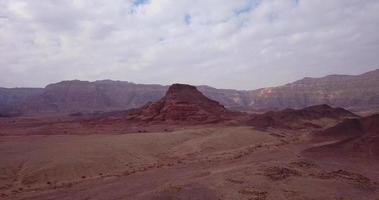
353	92
298	119
183	103
356	138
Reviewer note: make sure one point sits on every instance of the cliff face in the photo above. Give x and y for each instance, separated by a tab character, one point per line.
361	92
12	98
74	96
85	96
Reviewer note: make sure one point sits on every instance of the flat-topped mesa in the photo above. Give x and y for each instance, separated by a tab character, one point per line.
183	103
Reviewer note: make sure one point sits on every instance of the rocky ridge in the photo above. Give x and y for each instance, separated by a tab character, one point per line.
360	92
354	138
298	119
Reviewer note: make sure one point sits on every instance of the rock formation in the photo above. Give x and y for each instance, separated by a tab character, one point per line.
356	138
183	103
358	92
11	99
351	92
85	96
297	119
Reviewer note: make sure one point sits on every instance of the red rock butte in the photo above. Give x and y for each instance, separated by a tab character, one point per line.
183	103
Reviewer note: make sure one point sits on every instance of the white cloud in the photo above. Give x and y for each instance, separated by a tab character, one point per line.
230	44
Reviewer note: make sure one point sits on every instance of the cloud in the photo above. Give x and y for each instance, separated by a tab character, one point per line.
241	44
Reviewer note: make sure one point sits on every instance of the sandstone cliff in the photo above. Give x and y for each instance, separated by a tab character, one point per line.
351	92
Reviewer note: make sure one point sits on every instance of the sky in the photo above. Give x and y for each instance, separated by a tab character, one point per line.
240	44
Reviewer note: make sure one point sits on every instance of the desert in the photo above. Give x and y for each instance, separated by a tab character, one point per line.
189	100
187	146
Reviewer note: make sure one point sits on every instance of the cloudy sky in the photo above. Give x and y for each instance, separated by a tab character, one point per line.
242	44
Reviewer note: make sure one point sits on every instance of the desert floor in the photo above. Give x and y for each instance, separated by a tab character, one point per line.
202	162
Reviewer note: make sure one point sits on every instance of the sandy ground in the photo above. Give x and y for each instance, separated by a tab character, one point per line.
195	163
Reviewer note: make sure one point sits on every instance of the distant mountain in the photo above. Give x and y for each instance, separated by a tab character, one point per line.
346	91
107	95
351	92
12	98
85	96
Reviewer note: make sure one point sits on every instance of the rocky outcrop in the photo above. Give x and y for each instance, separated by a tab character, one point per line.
348	128
183	103
356	138
345	91
298	119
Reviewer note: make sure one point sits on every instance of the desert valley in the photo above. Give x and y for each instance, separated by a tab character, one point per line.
189	100
317	138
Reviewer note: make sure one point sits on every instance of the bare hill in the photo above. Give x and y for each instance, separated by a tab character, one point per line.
183	103
356	138
298	119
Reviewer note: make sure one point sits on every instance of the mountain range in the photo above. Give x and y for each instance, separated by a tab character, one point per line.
348	91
